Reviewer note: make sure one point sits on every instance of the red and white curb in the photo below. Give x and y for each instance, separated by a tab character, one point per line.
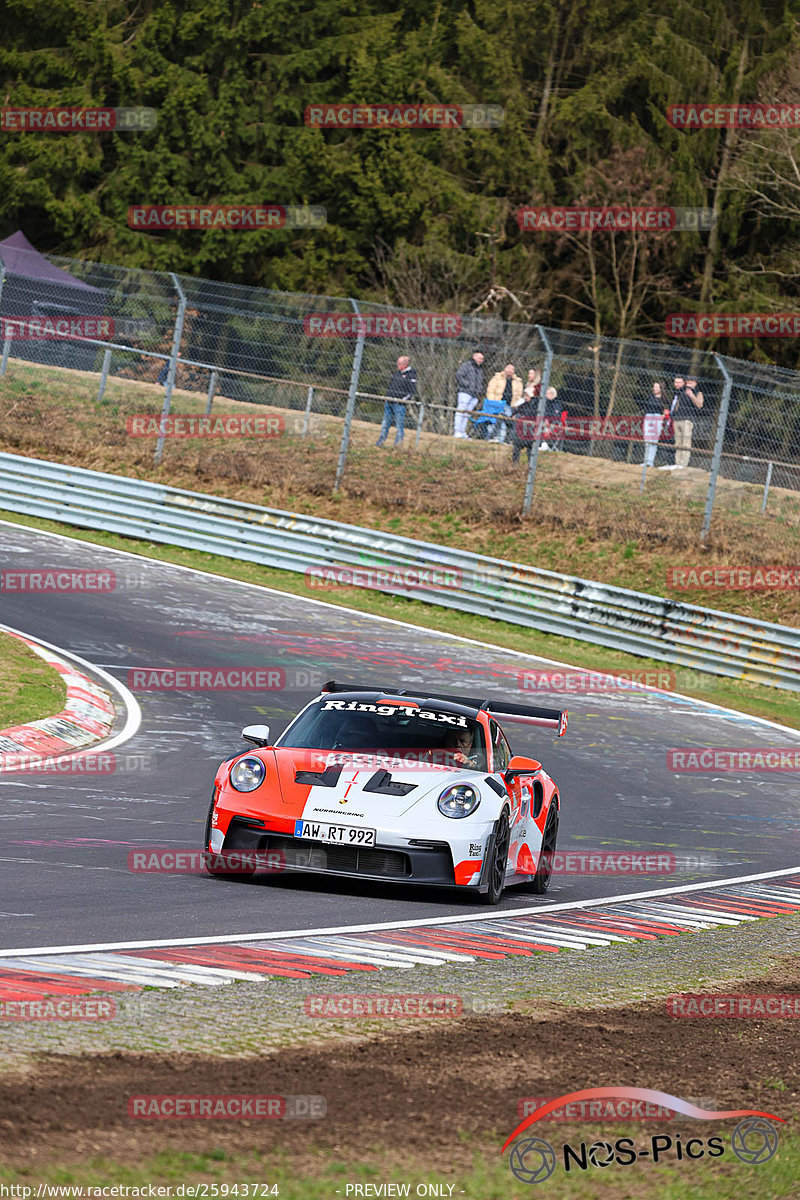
87	717
583	925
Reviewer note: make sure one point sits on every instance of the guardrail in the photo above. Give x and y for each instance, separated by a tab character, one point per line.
634	622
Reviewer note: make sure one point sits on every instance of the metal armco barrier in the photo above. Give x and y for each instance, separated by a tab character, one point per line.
632	622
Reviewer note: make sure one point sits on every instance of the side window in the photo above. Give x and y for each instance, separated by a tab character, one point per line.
501	751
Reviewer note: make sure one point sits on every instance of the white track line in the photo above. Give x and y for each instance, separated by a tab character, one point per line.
299	934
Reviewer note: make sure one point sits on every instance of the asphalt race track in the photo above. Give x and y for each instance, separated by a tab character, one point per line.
65	841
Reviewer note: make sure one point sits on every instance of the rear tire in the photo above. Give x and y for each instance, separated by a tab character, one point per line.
499	861
541	880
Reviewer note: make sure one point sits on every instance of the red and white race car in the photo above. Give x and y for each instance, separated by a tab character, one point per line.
383	785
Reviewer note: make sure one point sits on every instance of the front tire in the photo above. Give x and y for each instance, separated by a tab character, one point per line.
215	863
499	861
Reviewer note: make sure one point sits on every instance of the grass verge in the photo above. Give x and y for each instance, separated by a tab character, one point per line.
29	688
770	703
327	1176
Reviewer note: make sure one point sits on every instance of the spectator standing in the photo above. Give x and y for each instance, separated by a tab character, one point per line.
402	388
533	387
655	410
505	387
552	429
686	400
524	411
469	386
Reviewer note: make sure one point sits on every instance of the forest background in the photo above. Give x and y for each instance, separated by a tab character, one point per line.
421	219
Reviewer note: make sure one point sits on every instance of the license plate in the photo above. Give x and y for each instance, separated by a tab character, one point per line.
345	835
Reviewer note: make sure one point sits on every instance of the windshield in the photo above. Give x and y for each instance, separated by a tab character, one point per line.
424	735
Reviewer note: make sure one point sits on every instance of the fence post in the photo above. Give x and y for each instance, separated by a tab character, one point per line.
767	482
6	340
212	387
307	417
173	366
104	375
420	419
716	458
548	362
351	400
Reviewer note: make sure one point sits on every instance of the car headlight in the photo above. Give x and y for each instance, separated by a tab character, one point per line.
458	800
247	774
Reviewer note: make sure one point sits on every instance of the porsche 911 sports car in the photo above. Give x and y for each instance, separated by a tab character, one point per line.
417	789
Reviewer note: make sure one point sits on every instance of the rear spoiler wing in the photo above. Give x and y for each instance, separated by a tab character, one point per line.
526	714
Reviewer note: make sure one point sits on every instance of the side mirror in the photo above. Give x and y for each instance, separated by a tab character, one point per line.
257	734
520	765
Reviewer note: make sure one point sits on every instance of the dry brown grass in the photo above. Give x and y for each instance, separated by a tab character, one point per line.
588	516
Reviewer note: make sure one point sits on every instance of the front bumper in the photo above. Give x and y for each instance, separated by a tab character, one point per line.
420	861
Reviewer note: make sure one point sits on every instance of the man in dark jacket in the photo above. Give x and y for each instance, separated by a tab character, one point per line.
524	426
686	402
469	386
402	388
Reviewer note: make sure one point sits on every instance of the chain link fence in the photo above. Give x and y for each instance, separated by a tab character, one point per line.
323	364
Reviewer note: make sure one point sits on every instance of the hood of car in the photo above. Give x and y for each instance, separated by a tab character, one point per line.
332	786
